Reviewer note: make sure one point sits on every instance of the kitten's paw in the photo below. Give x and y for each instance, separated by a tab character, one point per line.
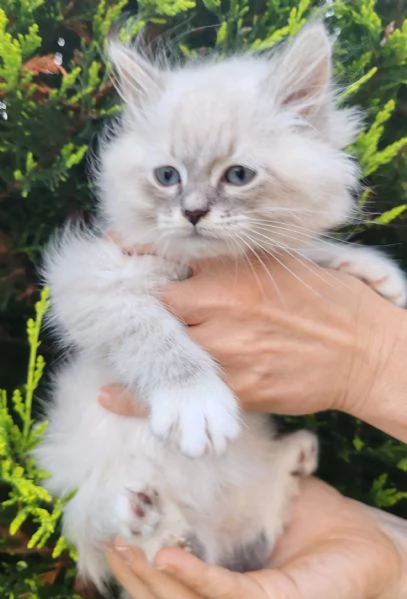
307	453
300	450
199	418
378	271
139	513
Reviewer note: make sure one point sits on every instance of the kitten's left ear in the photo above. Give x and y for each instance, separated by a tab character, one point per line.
304	71
137	79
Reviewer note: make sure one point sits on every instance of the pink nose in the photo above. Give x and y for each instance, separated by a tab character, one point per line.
195	215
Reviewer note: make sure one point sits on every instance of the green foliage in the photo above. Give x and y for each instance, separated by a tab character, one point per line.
19	435
55	91
384	496
366	147
39	579
26	500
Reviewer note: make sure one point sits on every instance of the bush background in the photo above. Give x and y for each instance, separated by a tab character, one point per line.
54	95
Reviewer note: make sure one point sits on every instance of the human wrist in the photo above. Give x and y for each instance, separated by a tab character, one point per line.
379	377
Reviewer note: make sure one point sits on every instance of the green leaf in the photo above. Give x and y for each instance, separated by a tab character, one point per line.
355	87
18	521
389	216
221	33
358	443
385	496
402	465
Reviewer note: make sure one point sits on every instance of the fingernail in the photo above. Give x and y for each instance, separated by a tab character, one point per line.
168	568
125	552
103	397
120	545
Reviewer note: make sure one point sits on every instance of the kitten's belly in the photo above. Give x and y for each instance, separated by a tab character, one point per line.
196	483
85	440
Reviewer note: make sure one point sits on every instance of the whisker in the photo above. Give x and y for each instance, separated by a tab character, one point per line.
251	265
297	217
229	243
299	211
274	255
298	230
299	235
267	271
312	266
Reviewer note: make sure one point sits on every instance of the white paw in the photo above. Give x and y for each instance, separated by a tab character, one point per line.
378	271
199	418
139	513
307	456
300	450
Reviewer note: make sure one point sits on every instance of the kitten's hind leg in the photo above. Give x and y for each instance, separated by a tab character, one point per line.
298	453
151	521
254	518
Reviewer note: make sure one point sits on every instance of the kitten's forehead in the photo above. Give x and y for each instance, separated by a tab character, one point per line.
205	139
204	112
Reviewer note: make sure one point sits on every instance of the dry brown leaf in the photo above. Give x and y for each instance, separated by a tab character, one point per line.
44	64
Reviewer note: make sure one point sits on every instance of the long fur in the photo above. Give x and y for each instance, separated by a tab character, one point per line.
197	471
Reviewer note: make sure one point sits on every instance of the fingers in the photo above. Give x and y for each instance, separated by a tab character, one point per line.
117	399
190	299
122	570
131	568
214	285
140	250
206	580
183	301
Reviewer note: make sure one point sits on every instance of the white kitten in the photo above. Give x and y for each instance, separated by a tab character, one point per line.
208	159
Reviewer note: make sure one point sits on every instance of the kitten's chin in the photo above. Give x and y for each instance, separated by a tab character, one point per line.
180	245
196	247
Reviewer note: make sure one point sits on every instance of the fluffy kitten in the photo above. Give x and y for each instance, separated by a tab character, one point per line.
211	158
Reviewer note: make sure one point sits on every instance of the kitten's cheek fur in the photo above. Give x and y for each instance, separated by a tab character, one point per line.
200	417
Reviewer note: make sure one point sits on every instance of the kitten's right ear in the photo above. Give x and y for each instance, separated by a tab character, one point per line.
305	71
136	78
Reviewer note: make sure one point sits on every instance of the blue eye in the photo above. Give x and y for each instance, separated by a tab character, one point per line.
239	175
167	176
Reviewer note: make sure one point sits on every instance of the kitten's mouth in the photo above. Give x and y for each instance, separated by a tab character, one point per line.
197	236
201	235
194	233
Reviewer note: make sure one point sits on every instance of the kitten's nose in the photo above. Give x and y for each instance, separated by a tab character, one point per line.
195	215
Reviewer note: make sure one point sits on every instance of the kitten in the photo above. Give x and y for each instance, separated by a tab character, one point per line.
212	158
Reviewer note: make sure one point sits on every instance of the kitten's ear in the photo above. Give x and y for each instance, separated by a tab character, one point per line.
137	79
305	71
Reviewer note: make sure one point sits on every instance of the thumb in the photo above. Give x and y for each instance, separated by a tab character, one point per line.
119	400
206	580
190	298
214	582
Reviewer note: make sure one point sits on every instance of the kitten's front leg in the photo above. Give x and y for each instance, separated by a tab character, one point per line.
371	266
200	415
102	301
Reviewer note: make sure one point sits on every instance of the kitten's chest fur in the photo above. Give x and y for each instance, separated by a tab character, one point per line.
156	269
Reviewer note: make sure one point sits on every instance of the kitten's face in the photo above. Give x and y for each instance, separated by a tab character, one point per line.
219	157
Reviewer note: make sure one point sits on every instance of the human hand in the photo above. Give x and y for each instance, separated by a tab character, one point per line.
299	340
333	548
292	338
